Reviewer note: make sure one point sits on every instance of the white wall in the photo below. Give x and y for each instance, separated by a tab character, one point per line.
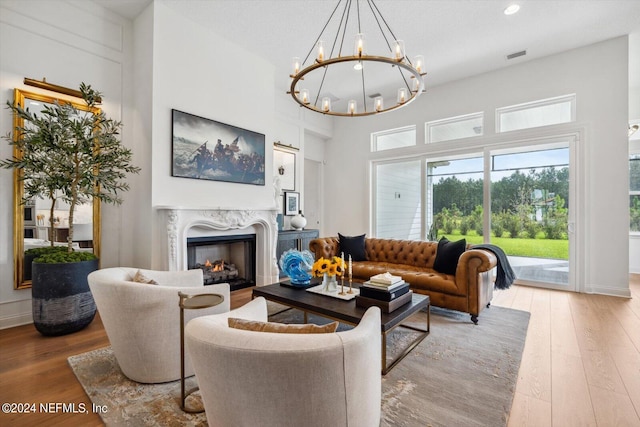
144	68
37	40
634	114
602	112
200	72
138	224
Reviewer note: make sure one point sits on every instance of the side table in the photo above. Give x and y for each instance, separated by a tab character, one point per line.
192	302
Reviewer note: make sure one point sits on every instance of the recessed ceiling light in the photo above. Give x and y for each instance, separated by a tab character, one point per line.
514	8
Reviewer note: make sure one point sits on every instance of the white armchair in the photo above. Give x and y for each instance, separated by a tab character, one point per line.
250	378
142	320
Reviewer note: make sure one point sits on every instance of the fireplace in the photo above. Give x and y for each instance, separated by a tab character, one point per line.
224	259
182	224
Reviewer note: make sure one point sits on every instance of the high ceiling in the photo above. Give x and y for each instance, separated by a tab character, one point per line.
458	38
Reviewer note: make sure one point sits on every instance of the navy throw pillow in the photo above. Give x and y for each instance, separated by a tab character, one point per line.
352	245
448	254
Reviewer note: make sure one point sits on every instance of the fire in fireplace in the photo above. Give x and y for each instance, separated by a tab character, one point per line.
224	259
218	271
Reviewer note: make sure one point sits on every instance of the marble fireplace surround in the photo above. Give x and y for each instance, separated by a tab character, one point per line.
181	223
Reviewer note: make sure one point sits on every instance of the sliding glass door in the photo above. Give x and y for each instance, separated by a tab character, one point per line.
519	197
530	211
455	198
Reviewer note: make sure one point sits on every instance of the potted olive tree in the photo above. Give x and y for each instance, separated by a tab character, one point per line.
74	156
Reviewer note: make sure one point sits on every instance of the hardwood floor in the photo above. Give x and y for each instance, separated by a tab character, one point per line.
581	361
580	367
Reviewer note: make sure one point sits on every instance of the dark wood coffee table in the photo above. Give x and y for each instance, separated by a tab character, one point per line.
347	312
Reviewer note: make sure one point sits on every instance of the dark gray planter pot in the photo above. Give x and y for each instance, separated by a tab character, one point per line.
61	300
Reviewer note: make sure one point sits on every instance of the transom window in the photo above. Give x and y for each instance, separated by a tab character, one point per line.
467	126
394	138
545	112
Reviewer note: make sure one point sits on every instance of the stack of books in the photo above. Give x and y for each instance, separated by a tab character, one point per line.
385	291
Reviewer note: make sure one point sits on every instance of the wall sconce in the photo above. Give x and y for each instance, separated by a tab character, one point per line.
281	170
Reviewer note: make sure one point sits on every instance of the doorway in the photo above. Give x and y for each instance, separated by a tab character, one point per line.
312	193
532	211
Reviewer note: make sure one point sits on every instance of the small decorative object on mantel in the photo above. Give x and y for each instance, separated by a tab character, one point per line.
296	265
299	221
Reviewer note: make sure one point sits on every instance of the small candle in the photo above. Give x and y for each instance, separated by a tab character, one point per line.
350	270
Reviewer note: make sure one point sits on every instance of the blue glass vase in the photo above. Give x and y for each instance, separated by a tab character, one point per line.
297	265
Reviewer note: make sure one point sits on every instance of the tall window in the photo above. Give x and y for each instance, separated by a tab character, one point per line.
455	196
634	193
530	202
398	207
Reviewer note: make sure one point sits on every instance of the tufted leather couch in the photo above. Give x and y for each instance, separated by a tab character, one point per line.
470	290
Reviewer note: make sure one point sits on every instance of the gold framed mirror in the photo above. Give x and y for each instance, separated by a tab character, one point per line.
31	225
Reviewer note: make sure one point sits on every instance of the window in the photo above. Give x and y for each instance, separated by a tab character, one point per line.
634	193
455	198
535	114
466	126
395	138
398	204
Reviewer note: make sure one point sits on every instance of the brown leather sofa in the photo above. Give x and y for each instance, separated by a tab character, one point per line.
470	290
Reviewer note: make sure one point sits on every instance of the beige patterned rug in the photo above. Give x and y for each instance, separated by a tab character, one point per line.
460	375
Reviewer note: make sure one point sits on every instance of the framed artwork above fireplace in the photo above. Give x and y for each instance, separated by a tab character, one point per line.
206	149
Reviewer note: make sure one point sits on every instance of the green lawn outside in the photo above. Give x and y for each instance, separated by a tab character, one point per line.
536	248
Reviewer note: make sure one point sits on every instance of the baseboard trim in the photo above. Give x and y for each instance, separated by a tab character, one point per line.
17	320
614	292
15	313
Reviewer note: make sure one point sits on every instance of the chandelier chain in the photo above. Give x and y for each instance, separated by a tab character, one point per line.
375	16
372	5
346	24
320	35
364	97
335	40
324	74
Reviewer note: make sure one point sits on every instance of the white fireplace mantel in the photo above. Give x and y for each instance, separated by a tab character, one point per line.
180	221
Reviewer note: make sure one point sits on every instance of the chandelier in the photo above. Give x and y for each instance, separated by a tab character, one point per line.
373	83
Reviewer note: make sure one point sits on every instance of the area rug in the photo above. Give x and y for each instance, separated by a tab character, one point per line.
460	375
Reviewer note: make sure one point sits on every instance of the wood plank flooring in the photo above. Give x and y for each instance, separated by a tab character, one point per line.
580	367
581	361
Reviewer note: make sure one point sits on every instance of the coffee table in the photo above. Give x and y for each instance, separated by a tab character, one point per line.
347	312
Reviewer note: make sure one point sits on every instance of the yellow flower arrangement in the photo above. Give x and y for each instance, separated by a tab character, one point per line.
333	266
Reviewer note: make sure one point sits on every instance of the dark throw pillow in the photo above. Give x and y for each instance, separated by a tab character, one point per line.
448	254
352	245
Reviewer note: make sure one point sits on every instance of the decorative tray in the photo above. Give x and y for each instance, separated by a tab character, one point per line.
335	294
313	282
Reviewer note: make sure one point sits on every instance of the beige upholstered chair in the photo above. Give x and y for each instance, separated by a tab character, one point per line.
143	320
267	379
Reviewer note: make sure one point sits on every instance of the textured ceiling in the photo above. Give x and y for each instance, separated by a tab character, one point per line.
458	38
